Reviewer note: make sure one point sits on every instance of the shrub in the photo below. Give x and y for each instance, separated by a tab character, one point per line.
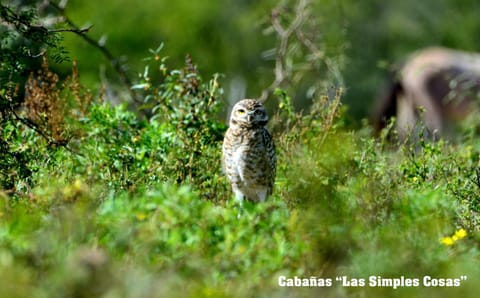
23	44
189	109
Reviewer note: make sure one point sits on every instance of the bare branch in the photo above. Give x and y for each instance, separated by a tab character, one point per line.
115	62
73	30
310	45
30	124
282	72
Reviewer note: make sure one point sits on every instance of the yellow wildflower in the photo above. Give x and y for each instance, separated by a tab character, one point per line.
77	185
460	234
141	216
450	240
447	241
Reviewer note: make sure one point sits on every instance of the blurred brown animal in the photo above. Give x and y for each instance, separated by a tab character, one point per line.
435	87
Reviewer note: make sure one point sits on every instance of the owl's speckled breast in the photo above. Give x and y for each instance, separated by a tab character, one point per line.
249	153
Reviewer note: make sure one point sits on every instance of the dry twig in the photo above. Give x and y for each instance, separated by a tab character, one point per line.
283	69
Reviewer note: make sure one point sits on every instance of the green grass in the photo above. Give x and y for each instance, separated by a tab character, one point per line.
135	207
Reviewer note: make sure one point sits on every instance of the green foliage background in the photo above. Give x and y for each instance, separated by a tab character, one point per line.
102	200
230	37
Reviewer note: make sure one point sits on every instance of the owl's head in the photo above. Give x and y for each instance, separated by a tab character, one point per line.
249	113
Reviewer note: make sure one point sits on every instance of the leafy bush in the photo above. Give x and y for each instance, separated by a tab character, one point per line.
24	42
189	108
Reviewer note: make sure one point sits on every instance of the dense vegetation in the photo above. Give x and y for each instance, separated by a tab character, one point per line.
118	201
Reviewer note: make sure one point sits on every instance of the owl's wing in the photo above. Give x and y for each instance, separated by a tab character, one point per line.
271	158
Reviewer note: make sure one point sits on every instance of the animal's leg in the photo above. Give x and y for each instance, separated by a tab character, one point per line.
406	117
239	196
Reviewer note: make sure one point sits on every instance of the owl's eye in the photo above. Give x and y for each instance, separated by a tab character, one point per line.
257	112
241	111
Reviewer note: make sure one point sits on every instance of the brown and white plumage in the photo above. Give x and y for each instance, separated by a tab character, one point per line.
249	157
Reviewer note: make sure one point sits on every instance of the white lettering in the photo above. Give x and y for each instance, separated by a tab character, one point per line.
429	281
281	281
296	281
400	282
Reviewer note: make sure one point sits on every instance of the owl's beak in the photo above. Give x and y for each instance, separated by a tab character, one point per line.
249	118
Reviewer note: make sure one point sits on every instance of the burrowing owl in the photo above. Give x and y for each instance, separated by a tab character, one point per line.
249	158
